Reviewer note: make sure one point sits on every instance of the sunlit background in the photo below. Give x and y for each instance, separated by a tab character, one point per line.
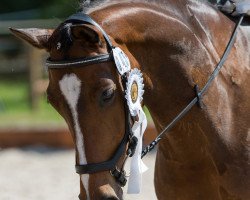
36	151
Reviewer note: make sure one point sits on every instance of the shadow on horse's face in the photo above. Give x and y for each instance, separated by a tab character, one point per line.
89	98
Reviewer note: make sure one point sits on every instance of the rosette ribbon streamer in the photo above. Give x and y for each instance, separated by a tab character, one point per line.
134	93
137	166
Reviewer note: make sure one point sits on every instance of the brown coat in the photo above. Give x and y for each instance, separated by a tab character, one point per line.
177	44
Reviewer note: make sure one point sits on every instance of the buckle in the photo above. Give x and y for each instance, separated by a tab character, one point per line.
198	95
132	146
120	176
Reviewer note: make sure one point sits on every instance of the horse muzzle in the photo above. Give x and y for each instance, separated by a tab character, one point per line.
104	192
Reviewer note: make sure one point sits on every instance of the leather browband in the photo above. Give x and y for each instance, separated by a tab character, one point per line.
79	62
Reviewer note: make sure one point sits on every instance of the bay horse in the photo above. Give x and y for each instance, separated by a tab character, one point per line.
176	44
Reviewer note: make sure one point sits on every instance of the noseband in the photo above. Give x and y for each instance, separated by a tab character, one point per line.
110	165
129	139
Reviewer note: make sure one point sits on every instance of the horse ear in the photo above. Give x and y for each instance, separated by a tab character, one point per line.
84	32
34	36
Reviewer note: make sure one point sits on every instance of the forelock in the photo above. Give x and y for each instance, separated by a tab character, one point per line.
63	36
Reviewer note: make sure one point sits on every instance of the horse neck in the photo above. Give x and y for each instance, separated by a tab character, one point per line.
175	52
167	47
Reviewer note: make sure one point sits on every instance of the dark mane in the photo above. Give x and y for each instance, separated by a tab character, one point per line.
62	35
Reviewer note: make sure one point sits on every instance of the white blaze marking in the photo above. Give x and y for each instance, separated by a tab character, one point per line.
70	87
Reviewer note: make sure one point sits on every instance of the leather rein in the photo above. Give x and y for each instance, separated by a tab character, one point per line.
128	139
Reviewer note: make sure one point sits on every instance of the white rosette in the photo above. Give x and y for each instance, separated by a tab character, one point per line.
134	100
134	93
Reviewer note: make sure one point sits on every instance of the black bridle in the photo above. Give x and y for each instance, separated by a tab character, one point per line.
128	139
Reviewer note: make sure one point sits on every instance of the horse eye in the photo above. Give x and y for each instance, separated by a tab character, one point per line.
107	95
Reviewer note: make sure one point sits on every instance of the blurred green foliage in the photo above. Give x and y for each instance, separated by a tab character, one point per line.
15	110
40	8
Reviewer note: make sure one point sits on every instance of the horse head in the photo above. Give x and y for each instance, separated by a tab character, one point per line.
89	95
